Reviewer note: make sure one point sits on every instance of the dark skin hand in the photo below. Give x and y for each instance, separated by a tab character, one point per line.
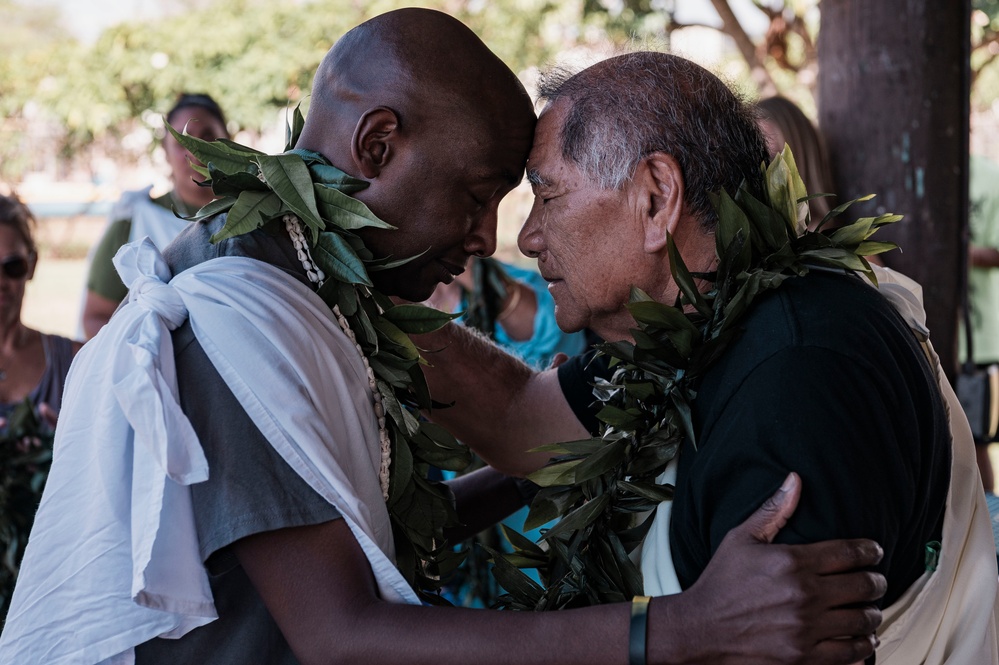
780	604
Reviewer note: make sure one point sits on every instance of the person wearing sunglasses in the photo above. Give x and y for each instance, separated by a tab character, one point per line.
32	364
33	367
138	214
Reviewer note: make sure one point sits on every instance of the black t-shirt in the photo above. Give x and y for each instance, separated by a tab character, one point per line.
828	381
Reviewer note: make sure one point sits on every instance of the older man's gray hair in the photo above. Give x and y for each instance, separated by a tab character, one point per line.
644	102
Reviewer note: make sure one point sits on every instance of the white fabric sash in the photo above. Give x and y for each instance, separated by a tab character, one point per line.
113	556
947	617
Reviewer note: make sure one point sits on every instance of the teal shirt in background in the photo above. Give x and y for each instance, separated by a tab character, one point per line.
547	339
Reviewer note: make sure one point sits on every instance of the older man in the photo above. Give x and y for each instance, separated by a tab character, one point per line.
277	405
825	377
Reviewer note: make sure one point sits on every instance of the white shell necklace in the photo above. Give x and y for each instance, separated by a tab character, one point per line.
316	276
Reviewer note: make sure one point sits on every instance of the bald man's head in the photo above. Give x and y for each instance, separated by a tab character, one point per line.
425	65
414	103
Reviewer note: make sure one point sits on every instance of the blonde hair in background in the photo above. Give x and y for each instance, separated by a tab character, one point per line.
807	145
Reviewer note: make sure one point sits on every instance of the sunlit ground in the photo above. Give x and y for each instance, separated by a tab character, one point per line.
52	300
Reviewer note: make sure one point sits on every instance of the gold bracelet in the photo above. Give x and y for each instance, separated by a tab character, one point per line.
512	305
638	631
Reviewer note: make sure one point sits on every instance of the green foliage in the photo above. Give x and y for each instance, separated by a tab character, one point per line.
606	489
25	458
254	56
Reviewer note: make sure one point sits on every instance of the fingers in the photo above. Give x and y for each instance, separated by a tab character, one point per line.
853	588
843	651
771	517
839	556
557	360
48	414
857	622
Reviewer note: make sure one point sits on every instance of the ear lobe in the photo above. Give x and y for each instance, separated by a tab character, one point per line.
665	191
374	139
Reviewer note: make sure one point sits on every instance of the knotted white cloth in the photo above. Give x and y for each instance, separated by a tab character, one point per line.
113	556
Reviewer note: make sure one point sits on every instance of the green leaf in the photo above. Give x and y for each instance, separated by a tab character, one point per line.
733	227
581	447
228	157
387	263
778	178
836	257
840	209
416	319
520	543
213	208
602	461
650	491
855	233
224	184
550	504
326	175
337	259
579	518
345	211
238	148
628	420
515	580
289	177
684	280
392	333
771	232
641	390
559	473
294	127
251	211
660	315
870	248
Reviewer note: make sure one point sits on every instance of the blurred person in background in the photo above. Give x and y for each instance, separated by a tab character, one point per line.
983	285
33	368
137	214
783	122
32	364
511	306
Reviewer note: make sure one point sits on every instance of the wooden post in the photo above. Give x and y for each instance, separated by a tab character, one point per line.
893	104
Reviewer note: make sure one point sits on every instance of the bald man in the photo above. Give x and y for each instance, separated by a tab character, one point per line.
441	134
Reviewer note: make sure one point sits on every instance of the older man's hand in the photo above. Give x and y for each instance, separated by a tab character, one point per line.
760	603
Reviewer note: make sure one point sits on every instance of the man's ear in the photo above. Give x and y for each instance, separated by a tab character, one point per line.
663	180
374	140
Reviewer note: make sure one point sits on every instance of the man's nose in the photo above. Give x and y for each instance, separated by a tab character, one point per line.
529	240
481	239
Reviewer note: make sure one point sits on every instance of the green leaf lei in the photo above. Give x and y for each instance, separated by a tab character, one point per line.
256	190
25	459
604	490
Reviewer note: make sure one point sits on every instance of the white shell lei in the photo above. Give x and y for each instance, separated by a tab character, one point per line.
316	276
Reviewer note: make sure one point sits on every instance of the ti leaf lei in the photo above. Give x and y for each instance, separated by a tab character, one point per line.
256	190
604	490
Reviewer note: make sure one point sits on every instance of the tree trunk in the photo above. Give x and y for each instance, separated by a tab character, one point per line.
750	51
893	105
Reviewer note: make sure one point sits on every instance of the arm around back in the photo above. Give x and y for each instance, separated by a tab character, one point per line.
501	407
756	604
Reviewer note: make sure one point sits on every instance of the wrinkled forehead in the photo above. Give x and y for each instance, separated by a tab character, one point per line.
547	144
